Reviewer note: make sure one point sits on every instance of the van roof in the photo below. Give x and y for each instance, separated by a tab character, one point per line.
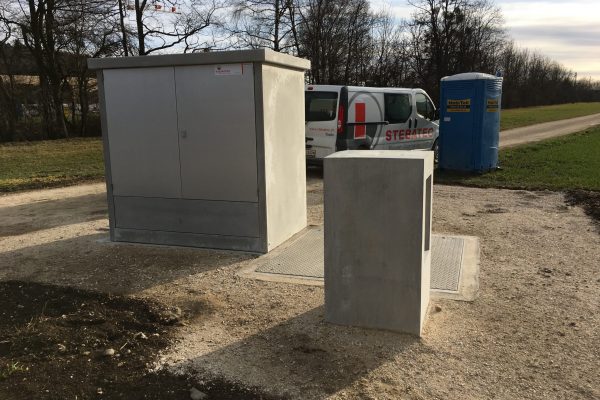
337	88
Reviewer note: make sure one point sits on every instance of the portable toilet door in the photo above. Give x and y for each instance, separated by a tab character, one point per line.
470	122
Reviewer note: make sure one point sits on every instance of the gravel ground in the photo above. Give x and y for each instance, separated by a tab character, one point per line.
532	333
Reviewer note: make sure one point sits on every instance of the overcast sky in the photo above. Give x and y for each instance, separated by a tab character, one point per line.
566	31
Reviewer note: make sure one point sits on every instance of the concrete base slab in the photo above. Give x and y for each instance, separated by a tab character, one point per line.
454	264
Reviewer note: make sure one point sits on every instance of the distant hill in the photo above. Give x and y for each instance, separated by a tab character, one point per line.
17	60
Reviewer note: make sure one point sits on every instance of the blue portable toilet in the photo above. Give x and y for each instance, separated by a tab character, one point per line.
469	121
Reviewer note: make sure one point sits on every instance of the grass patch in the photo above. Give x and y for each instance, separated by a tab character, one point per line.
566	163
10	369
49	163
517	117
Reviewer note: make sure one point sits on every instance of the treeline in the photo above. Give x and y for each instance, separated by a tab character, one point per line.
46	90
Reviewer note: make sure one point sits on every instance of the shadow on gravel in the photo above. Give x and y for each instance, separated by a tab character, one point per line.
305	354
63	343
314	172
588	200
93	262
31	217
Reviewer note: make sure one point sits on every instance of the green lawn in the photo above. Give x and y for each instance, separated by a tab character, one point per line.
565	163
569	162
49	163
517	117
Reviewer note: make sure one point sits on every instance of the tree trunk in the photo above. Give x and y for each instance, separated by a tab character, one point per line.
123	30
83	104
44	102
59	114
139	11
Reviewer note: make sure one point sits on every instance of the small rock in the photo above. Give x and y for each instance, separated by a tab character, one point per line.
438	308
172	316
99	391
195	394
568	274
109	352
572	323
140	335
62	348
86	353
547	270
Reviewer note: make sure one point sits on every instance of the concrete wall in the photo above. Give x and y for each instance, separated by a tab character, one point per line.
377	269
284	146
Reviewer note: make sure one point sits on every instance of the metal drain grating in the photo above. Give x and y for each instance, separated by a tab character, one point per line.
303	257
446	262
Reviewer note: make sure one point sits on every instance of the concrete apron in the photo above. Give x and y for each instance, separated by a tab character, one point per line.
454	264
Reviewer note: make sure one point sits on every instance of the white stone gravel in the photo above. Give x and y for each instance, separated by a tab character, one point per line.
533	333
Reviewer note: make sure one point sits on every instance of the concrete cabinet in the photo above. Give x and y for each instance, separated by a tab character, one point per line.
378	238
204	149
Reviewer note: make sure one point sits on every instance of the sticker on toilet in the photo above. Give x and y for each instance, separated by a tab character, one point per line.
492	105
458	105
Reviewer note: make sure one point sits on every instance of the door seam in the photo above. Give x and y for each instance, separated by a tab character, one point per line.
178	134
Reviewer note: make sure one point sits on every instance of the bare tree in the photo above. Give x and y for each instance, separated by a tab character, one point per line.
39	24
389	66
455	36
336	36
8	109
94	32
166	25
263	24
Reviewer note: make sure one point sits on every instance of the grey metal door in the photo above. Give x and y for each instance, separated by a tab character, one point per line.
217	134
142	132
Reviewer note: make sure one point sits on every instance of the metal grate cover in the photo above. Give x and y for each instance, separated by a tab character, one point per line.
303	257
446	262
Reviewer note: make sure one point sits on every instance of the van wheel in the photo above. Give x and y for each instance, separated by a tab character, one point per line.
436	151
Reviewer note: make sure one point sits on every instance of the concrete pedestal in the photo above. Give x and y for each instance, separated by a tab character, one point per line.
378	238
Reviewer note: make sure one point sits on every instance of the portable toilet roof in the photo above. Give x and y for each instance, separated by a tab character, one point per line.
468	76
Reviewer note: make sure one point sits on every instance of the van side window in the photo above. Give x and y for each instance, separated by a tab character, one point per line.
397	107
424	106
320	106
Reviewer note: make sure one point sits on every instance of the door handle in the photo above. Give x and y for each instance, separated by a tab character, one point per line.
183	133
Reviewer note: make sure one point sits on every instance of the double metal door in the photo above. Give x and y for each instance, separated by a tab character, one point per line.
182	132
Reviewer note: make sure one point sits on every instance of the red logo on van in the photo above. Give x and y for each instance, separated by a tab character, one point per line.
408	134
360	131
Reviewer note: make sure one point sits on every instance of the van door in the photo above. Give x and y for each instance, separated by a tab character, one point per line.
398	110
320	113
424	122
365	119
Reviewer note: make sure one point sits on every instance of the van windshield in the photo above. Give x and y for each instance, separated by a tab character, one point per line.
320	106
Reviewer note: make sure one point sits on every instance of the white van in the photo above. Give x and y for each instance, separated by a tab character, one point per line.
354	117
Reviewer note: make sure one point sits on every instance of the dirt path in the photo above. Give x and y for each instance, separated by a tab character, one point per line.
534	133
532	333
